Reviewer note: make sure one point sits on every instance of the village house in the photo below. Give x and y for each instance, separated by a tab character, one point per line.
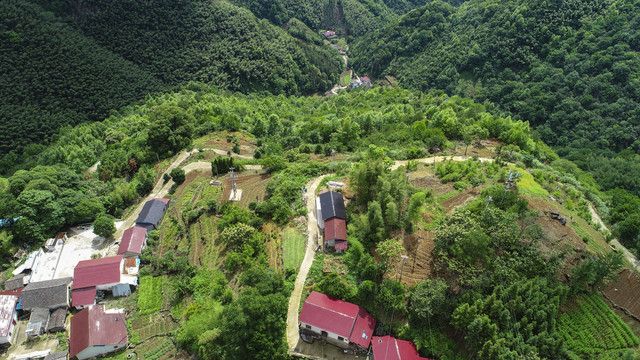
16	282
105	274
390	348
340	323
48	302
332	217
329	34
134	239
365	81
152	213
96	331
8	318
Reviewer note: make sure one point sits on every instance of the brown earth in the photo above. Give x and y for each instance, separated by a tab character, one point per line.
425	179
419	265
625	292
253	188
461	199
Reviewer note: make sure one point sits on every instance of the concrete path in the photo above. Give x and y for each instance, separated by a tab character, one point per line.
433	159
627	254
312	235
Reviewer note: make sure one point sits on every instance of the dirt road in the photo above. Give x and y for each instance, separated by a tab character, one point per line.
627	254
431	160
312	232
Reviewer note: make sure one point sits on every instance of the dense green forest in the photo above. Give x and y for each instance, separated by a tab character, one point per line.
69	62
570	68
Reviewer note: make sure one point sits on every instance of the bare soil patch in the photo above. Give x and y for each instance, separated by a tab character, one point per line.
461	199
625	292
253	188
425	179
419	265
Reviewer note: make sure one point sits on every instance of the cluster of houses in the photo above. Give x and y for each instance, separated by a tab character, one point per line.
349	327
330	34
94	330
362	81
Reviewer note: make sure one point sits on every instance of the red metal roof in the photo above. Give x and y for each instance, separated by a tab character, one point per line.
339	317
335	228
341	245
390	348
132	240
84	296
363	329
95	327
14	292
97	272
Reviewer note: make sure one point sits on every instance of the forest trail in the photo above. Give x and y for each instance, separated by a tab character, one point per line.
433	159
627	254
312	235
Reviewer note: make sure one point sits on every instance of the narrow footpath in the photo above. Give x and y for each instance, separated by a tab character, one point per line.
312	235
627	254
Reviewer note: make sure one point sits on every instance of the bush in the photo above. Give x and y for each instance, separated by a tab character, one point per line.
178	176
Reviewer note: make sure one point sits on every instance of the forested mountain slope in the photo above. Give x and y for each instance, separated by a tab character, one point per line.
353	17
570	68
69	62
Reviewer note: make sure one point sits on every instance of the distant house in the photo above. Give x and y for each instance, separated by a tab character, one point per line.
332	217
329	34
335	235
57	320
50	294
96	331
134	239
8	318
390	348
338	322
365	81
106	274
152	213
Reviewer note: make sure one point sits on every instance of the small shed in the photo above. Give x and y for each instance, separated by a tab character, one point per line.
134	239
60	355
38	322
57	320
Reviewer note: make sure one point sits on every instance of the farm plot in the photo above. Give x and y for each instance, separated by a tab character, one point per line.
149	294
625	292
253	188
161	348
591	327
293	247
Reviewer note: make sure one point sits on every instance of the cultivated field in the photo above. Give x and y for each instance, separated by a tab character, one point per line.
293	247
589	327
253	188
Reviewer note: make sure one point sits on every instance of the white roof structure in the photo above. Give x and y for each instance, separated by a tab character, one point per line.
7	308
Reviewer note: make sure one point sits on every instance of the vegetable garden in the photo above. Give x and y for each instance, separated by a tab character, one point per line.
591	327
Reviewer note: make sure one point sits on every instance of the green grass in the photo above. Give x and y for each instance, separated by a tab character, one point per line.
150	294
293	248
591	327
527	184
444	197
346	80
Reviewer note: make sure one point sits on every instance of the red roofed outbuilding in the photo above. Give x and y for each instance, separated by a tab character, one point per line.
338	322
390	348
96	331
335	234
134	239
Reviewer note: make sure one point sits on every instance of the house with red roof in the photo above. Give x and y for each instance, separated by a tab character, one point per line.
332	217
365	81
104	274
335	235
134	239
96	331
340	323
390	348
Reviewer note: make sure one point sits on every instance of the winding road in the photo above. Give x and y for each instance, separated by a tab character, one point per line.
627	254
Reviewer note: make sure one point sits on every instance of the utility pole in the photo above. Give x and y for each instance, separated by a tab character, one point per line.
489	200
232	176
404	257
333	154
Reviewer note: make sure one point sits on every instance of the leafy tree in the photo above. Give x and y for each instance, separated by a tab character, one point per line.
389	251
177	175
104	226
170	129
428	302
332	285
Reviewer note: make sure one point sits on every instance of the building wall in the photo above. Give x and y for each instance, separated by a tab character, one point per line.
7	339
94	351
331	337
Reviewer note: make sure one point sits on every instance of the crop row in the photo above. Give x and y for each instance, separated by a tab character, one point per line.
592	327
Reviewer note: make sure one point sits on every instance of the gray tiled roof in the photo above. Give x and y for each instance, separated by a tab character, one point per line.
56	321
15	282
50	294
60	355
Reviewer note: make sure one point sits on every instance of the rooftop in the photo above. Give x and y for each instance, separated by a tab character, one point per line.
332	204
48	294
390	348
132	240
152	212
7	308
97	272
95	326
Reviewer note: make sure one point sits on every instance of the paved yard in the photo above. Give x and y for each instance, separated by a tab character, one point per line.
319	351
19	346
